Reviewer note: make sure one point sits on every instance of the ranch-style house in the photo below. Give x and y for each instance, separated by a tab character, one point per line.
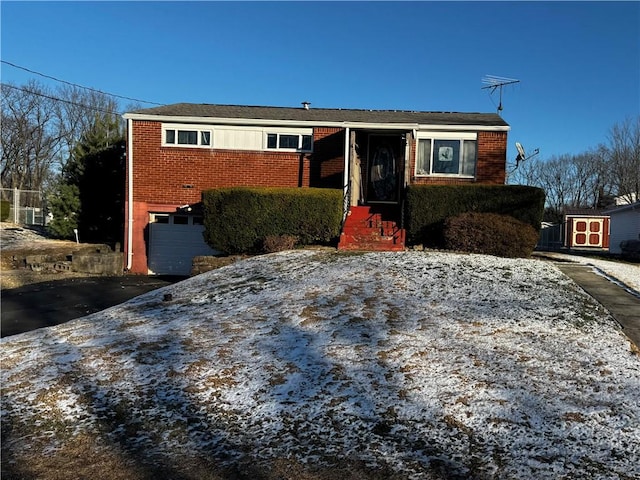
175	152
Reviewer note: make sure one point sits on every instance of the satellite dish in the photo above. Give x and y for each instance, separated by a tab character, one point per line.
521	154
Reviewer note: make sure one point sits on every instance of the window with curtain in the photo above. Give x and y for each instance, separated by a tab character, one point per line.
446	156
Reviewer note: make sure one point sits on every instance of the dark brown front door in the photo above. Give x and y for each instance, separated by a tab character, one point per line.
384	168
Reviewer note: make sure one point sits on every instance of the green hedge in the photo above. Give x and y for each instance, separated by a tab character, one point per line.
238	220
490	234
428	207
5	209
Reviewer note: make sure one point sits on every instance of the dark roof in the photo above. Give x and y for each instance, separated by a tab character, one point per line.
592	212
323	114
622	208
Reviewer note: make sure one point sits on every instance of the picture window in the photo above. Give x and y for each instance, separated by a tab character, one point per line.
446	156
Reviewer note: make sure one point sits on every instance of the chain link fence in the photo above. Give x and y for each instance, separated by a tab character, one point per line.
26	207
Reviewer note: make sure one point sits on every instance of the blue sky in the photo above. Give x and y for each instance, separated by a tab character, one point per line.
578	62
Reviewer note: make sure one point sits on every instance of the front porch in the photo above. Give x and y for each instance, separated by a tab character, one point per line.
372	228
375	179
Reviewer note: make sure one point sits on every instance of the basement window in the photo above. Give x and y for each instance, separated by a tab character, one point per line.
159	218
181	136
447	155
291	142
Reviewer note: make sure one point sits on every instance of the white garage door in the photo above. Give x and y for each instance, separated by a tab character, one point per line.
173	242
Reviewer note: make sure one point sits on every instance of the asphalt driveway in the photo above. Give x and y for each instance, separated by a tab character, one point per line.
51	303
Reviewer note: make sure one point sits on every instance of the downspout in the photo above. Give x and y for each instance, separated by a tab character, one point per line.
347	174
130	193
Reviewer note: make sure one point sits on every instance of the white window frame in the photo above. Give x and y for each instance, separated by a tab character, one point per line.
199	129
300	133
435	136
255	138
155	218
169	218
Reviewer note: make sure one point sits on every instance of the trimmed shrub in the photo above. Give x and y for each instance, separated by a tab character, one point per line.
491	234
238	220
429	206
5	209
278	243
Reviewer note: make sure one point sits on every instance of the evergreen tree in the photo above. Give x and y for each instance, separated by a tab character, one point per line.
64	204
95	174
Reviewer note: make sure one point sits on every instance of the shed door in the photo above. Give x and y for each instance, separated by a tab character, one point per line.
588	232
173	242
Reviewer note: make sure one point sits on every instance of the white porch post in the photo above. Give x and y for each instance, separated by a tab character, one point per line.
347	173
130	199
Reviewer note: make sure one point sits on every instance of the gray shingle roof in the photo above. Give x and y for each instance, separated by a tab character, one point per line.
585	211
323	114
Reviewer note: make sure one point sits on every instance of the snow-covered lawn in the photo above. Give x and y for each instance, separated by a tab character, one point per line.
430	365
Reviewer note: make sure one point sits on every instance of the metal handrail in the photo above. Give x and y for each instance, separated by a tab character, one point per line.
346	202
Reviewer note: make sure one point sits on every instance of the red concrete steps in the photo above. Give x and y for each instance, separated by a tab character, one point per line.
372	228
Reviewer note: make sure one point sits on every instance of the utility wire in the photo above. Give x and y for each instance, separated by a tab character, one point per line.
57	99
76	85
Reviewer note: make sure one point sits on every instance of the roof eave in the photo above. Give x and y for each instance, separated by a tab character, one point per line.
623	208
312	123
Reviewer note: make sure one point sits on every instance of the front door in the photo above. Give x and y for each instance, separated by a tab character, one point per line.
384	168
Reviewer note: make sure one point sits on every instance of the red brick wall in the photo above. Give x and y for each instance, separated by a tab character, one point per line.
177	174
327	160
490	169
492	157
165	178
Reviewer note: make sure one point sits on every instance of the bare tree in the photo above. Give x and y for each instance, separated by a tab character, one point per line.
569	181
555	179
29	141
76	113
40	130
623	159
591	184
525	173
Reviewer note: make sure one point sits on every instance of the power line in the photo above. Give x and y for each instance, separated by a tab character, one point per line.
57	99
76	85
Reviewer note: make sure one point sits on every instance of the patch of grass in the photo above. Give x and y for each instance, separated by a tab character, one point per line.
575	417
310	315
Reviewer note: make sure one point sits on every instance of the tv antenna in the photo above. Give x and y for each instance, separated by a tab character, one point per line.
494	83
522	156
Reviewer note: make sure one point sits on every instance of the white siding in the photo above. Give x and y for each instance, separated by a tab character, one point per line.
238	139
625	225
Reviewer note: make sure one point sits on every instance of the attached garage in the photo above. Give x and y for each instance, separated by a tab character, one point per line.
174	239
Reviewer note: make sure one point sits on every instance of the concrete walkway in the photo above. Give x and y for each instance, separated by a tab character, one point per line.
624	306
